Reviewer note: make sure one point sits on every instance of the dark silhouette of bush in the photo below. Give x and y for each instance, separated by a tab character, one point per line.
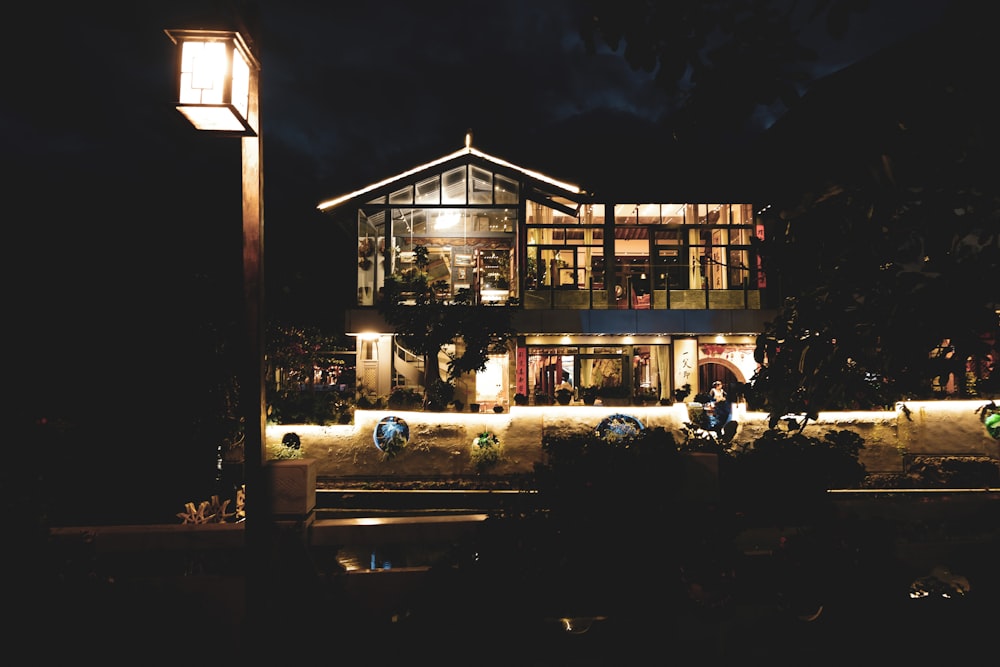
784	477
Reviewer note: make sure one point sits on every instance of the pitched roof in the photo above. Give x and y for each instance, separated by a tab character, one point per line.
468	150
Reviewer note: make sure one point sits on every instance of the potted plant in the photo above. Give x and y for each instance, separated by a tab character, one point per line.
486	450
589	394
645	397
614	395
564	396
682	392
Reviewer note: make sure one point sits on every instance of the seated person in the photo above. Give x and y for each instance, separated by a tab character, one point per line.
717	393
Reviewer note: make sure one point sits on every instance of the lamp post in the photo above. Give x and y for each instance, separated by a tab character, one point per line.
218	91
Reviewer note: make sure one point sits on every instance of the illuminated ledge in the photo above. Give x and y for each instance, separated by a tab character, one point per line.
390	530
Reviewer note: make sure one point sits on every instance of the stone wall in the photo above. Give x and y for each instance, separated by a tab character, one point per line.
440	443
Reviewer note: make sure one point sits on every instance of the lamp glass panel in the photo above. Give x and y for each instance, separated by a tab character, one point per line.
203	73
215	118
241	84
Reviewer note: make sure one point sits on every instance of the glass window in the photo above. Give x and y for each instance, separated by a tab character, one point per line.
626	214
739	272
480	186
402	196
742	214
649	214
504	190
592	214
429	190
672	214
453	186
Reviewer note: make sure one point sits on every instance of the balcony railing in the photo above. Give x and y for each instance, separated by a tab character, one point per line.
662	299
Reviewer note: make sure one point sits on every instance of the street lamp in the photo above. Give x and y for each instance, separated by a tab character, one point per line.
217	80
218	91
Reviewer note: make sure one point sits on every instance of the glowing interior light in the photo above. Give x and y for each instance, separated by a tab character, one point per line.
446	221
241	85
203	72
214	81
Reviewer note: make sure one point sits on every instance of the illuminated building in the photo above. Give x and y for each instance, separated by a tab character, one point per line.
637	299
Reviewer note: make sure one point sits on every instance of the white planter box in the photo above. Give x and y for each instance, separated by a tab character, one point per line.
291	486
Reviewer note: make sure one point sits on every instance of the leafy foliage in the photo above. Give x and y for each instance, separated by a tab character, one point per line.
293	354
283	452
786	475
297	351
885	269
404	398
892	247
486	450
888	237
426	320
394	445
595	475
214	510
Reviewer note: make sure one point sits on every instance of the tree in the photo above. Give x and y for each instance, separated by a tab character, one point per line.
894	247
294	354
297	351
883	225
426	318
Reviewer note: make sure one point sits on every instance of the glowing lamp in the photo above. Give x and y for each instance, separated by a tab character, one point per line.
215	73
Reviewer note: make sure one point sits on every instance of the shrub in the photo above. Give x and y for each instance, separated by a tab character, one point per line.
404	398
486	450
284	452
393	445
785	476
309	407
439	395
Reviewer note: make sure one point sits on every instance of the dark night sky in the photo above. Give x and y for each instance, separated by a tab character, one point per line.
107	252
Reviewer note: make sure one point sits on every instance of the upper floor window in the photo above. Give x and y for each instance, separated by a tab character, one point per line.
505	190
429	190
453	186
480	186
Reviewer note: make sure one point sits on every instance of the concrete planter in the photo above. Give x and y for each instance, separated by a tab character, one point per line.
292	486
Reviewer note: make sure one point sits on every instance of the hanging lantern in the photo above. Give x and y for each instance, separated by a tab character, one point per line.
215	72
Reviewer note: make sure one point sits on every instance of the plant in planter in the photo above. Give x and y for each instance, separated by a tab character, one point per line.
989	414
564	396
682	392
486	450
589	394
215	510
393	445
391	435
405	398
614	395
645	397
290	448
520	399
